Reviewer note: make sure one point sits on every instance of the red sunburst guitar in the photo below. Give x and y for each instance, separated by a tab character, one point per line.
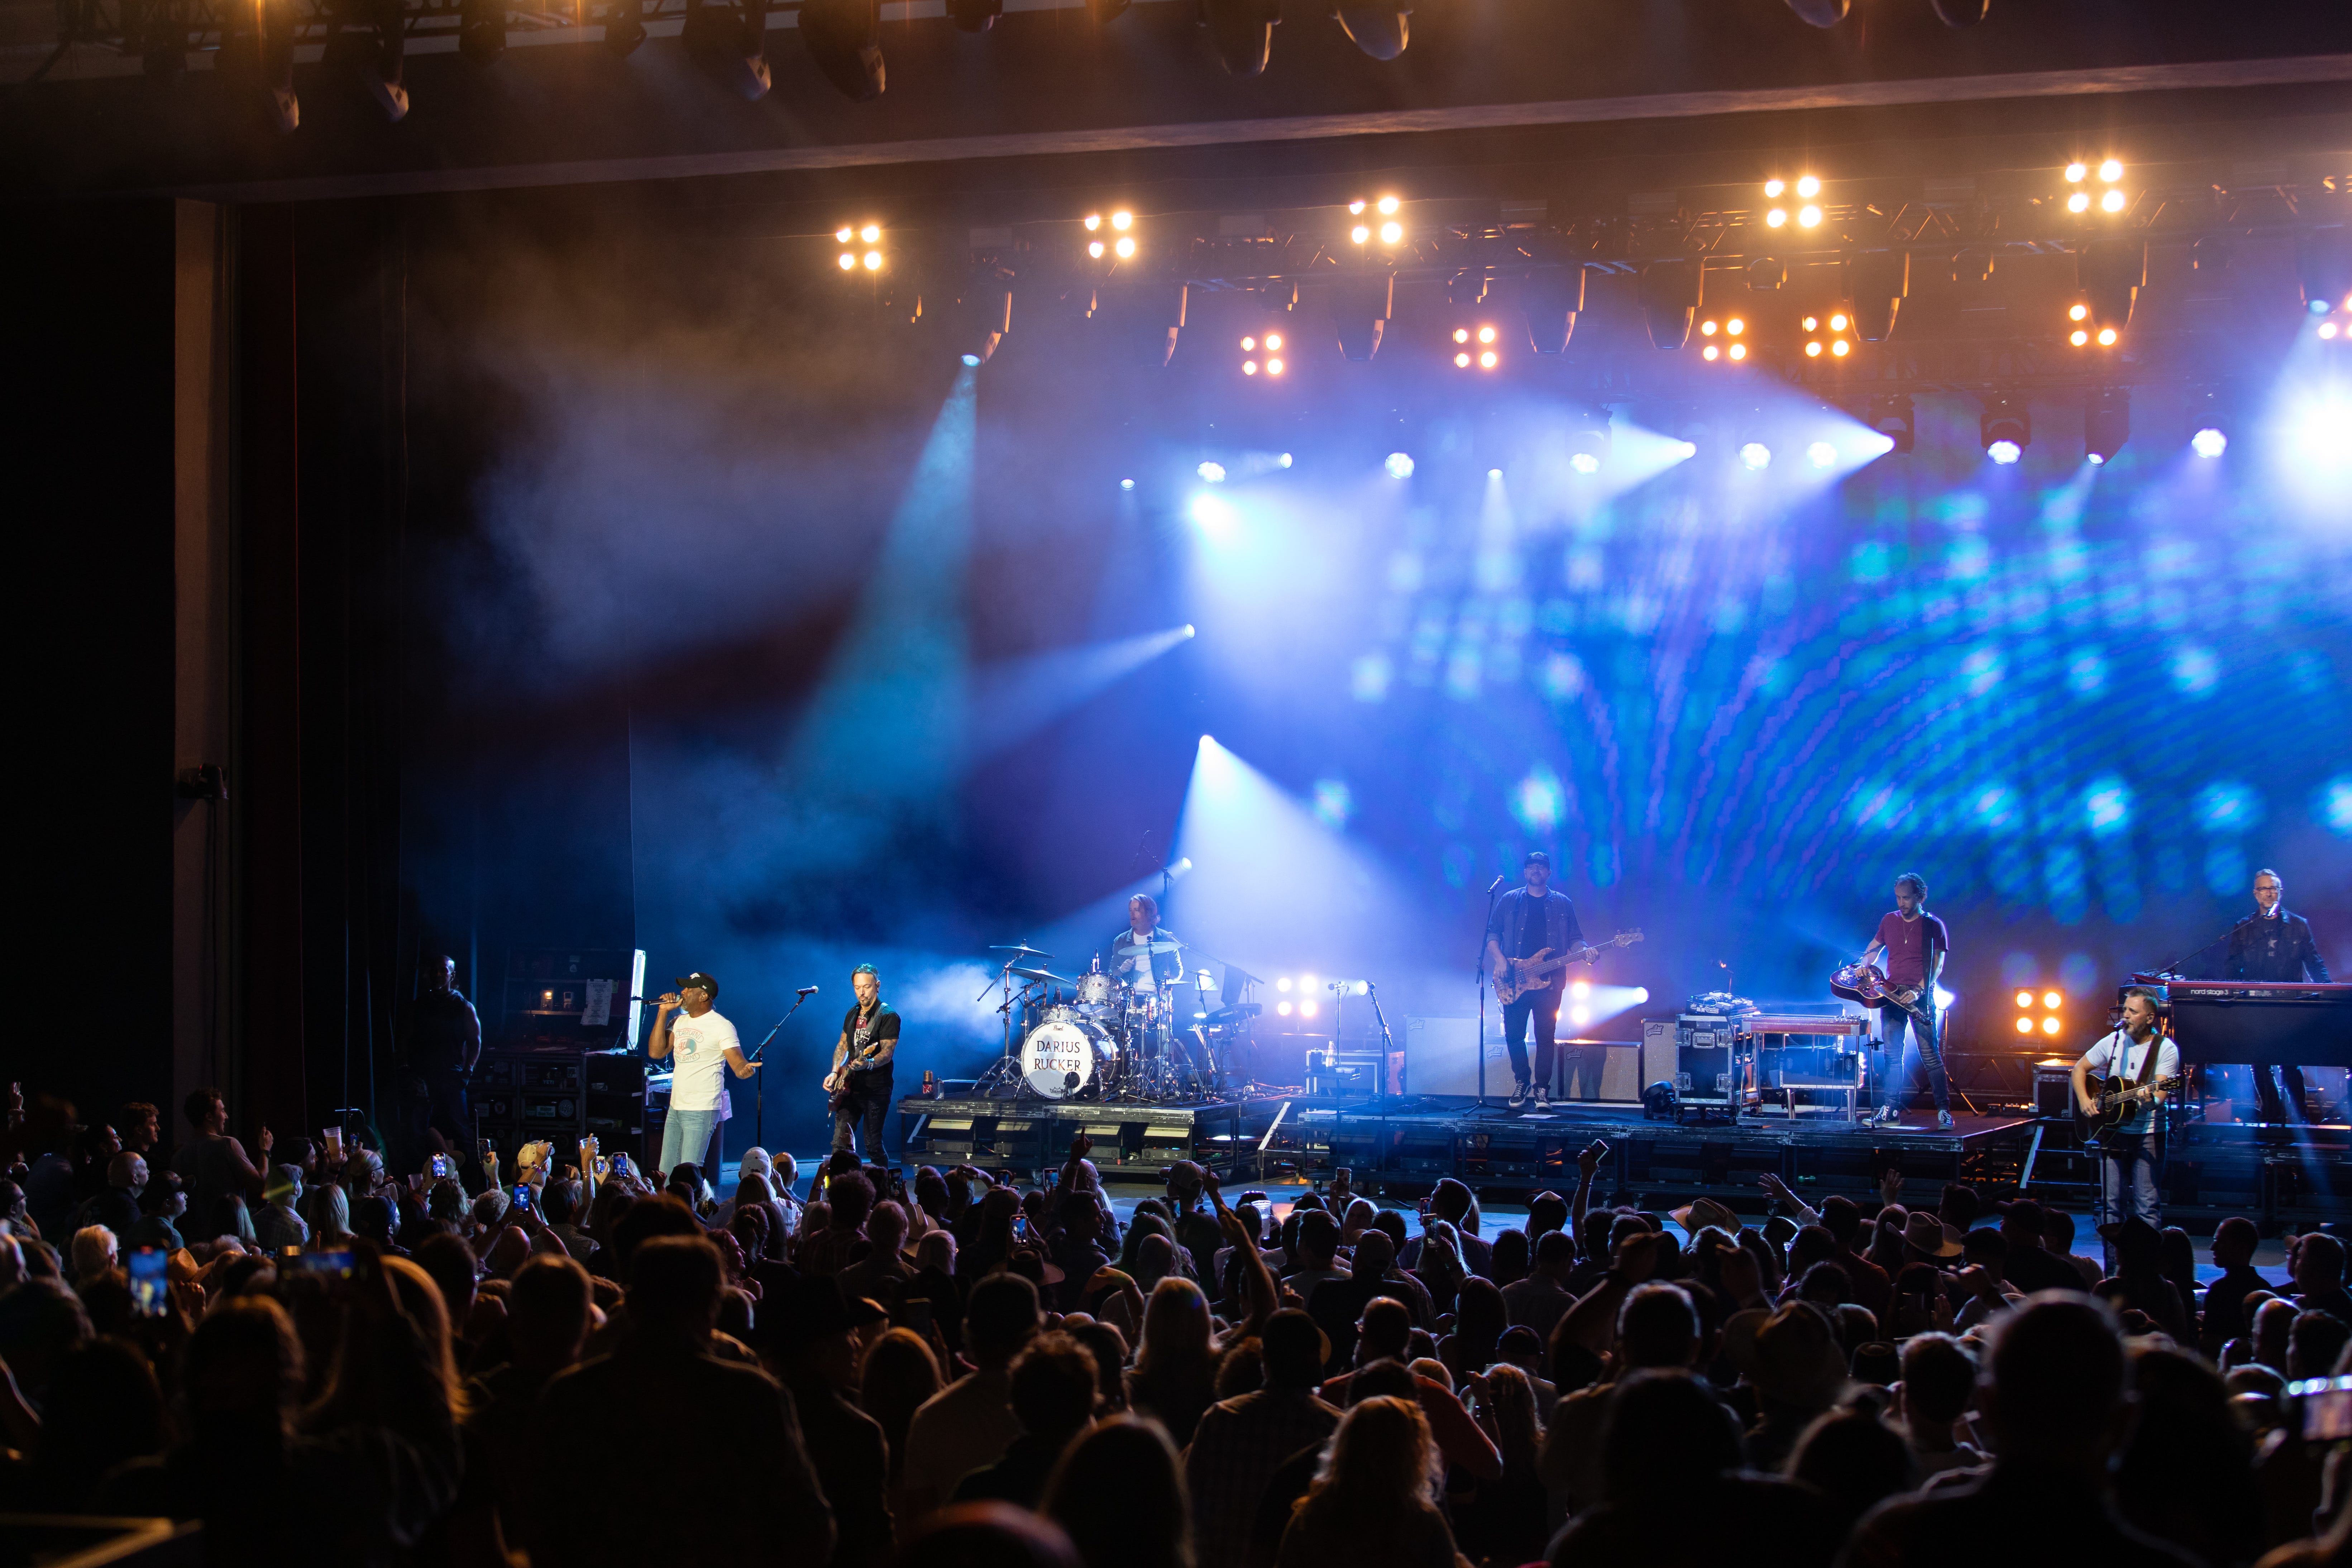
1515	977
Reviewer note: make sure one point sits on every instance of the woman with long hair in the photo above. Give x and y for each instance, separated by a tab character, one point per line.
900	1375
1175	1375
1369	1505
1119	1493
1509	1520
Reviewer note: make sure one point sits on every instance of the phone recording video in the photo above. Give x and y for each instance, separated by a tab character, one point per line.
2326	1405
522	1196
151	1286
439	1166
336	1265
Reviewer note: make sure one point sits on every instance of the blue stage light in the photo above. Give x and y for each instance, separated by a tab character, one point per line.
1755	454
1212	472
1127	484
972	359
2004	452
1188	631
1822	454
1400	465
1286	460
1215	517
2209	442
1585	463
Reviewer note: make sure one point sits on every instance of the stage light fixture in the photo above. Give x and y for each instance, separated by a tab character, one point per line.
1360	310
1274	367
974	15
2113	201
1122	221
2111	171
1486	334
2006	428
1738	351
2079	337
274	25
1669	296
2024	1025
1773	187
1809	216
1778	217
1809	185
1249	367
1399	465
1387	205
1461	334
1814	348
2078	311
1891	415
1735	326
849	262
1811	323
844	39
1360	233
1822	453
1242	33
1709	328
1584	463
1282	1009
1274	341
1489	359
382	74
1214	472
1127	484
2025	999
2327	332
1958	13
1840	348
1390	233
2106	339
1820	12
1249	345
2076	173
1093	221
1755	456
1094	250
2080	201
1877	282
2323	266
2106	424
2049	1026
1709	352
1125	248
1462	360
1551	298
1837	322
1146	314
1381	33
2211	441
1356	207
871	234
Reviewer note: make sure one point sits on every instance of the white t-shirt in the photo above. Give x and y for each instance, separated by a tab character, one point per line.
2100	1058
699	1048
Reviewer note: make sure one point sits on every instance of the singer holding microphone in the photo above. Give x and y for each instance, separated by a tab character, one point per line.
686	1025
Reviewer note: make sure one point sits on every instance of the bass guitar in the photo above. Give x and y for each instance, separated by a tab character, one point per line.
2115	1096
1515	977
1866	984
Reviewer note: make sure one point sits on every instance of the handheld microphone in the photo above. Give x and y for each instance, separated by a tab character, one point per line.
1493	885
807	991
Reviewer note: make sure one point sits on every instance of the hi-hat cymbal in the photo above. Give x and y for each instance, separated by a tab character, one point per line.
1045	976
1021	947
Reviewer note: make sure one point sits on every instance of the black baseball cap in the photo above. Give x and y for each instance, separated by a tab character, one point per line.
699	978
1536	858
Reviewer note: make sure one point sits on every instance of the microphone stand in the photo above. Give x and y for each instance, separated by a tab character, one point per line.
759	1079
1493	888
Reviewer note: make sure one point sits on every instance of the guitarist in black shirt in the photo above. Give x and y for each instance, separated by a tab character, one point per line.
860	1082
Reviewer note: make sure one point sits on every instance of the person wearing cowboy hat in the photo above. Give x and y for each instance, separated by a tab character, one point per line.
1790	1356
1926	1239
1697	1215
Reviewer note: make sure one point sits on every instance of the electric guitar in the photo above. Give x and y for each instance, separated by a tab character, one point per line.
840	1084
2115	1096
1866	984
1515	977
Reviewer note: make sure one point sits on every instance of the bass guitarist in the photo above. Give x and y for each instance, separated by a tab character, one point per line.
2127	1151
860	1081
1527	920
1916	945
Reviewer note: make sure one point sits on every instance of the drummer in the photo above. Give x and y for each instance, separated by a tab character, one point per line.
1147	959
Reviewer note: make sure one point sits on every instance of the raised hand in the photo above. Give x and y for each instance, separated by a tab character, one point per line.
1588	1160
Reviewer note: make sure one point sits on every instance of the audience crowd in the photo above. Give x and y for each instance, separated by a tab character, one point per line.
567	1363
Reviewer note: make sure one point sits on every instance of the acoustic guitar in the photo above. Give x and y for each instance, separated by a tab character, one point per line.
2115	1096
1515	977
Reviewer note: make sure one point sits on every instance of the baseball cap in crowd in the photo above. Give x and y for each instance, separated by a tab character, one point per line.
699	978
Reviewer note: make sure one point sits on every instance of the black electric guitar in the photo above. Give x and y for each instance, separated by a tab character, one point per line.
840	1084
1515	977
2115	1096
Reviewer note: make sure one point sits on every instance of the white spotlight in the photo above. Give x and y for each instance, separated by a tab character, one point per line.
2004	452
1399	465
1585	463
1757	455
1127	484
1822	453
2209	442
1212	472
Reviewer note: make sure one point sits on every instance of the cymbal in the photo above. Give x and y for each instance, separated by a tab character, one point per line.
1044	975
1021	947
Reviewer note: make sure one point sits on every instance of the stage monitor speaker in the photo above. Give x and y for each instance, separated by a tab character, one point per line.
1658	1064
1442	1057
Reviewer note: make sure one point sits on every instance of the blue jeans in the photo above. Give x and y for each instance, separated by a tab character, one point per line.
1923	1047
685	1137
2127	1181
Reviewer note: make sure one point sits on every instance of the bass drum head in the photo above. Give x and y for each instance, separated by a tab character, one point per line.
1097	990
1058	1055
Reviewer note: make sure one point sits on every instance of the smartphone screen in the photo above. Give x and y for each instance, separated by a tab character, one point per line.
151	1292
440	1166
522	1196
620	1165
336	1265
2326	1405
1021	1228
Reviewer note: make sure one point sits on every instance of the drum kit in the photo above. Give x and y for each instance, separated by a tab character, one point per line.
1094	1037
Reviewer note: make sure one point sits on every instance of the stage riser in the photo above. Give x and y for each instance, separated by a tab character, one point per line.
1028	1135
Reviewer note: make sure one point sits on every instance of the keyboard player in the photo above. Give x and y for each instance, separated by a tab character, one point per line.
2275	945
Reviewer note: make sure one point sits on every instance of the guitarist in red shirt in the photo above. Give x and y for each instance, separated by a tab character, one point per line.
1915	943
1527	920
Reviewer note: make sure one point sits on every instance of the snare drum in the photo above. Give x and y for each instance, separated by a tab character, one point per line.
1064	1053
1097	992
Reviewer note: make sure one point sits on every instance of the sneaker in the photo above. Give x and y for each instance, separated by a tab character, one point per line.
1887	1117
1944	1120
1543	1097
1518	1095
